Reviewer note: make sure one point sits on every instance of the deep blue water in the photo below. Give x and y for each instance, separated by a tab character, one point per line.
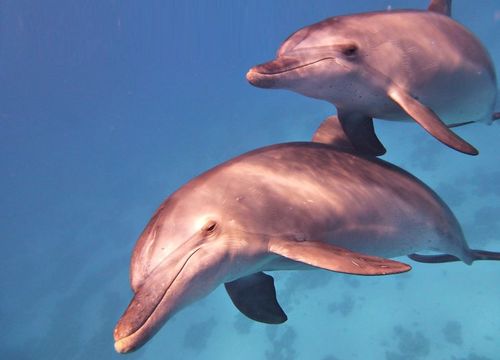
106	107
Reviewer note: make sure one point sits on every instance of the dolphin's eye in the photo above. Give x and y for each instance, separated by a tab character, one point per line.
350	50
210	226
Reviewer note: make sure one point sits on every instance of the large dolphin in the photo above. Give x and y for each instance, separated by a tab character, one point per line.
393	65
286	206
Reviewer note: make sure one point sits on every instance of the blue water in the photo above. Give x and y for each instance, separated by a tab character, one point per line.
106	107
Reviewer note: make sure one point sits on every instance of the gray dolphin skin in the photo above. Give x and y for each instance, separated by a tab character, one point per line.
297	205
392	65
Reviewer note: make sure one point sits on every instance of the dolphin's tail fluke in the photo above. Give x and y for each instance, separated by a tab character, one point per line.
461	124
444	258
485	255
433	259
494	117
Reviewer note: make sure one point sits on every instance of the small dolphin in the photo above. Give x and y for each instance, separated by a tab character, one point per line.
393	65
286	206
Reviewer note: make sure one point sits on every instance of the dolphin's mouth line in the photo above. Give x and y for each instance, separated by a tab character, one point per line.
153	310
294	67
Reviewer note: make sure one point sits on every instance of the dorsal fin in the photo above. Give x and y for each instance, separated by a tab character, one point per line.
331	132
351	134
440	6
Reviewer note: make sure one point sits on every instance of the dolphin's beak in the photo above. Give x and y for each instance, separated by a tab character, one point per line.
284	70
265	75
186	275
157	299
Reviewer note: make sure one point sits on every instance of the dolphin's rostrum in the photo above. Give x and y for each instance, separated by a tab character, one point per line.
287	206
393	65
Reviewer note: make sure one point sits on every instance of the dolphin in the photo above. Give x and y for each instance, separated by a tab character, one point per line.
299	205
392	65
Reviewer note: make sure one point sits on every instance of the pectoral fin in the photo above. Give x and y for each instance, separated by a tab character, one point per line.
335	258
426	118
360	133
254	295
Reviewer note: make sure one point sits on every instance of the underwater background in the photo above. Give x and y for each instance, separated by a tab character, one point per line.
107	107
